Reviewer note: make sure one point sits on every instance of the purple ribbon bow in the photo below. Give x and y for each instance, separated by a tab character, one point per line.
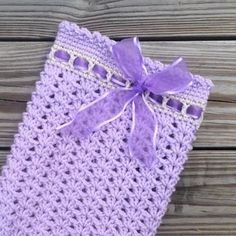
142	141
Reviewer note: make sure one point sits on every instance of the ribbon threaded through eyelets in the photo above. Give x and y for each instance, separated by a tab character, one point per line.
142	140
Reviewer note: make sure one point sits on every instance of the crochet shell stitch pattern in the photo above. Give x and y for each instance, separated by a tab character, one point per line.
61	186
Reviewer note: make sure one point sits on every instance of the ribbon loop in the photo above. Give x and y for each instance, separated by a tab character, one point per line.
127	54
142	142
173	79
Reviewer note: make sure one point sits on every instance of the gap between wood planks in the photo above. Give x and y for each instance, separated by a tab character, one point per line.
142	39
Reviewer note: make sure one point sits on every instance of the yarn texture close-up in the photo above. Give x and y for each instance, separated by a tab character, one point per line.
57	183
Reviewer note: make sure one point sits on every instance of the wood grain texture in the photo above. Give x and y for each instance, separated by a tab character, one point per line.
21	64
3	157
204	202
156	19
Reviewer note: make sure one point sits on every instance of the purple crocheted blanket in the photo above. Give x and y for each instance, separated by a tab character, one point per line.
59	185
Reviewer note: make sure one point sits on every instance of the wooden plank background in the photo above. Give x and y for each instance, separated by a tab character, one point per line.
151	18
203	32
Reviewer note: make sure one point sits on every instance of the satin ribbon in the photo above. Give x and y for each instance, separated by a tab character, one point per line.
142	140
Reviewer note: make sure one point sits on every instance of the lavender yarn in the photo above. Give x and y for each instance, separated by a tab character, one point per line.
60	185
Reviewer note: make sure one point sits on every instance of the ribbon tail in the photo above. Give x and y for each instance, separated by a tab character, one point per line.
98	113
142	141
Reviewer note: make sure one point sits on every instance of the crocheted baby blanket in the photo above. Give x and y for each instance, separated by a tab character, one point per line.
56	184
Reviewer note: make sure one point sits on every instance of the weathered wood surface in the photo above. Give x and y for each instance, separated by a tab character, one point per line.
204	202
156	19
21	63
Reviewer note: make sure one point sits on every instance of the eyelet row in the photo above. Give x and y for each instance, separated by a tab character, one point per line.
99	71
80	63
192	110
